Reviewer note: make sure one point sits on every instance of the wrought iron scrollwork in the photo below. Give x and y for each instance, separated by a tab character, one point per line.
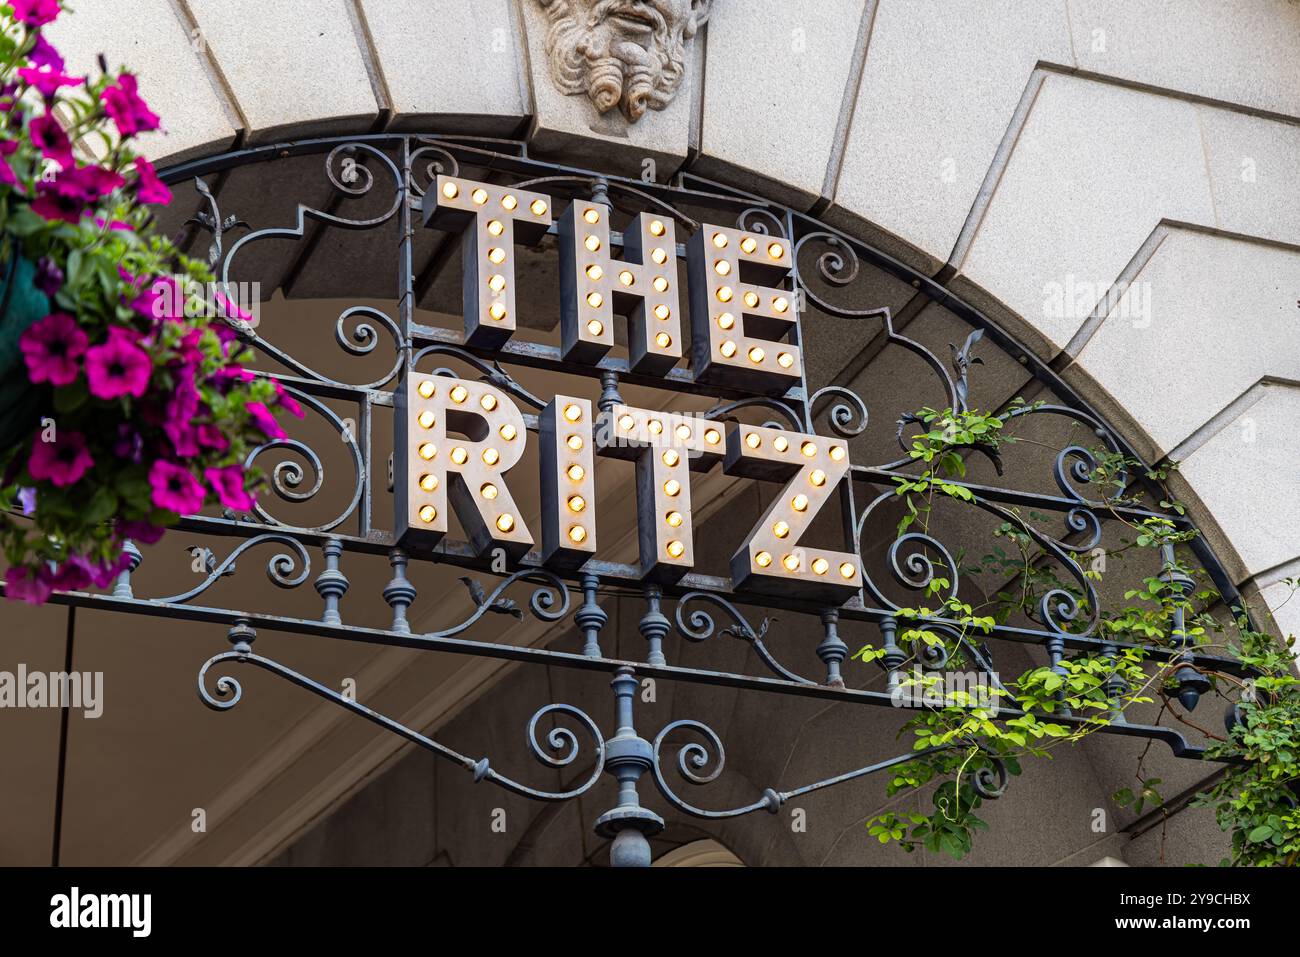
700	626
561	747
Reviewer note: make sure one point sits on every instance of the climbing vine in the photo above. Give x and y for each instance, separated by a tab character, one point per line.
967	741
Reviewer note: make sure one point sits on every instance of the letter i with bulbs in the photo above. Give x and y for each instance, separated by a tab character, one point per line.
456	440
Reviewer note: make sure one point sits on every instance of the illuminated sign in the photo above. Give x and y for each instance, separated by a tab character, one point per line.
457	440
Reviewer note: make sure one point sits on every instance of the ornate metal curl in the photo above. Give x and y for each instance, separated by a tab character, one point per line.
279	568
288	474
847	419
764	222
542	602
701	628
694	756
727	410
560	740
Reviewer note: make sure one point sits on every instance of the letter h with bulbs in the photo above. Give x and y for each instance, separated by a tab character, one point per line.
457	440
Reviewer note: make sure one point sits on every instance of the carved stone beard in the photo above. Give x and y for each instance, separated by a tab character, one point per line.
592	56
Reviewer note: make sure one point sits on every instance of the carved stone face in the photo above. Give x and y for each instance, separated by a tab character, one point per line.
625	53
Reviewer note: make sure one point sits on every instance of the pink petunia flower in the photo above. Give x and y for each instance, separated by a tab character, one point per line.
48	135
44	54
128	110
118	367
285	401
145	533
21	584
264	420
211	437
149	188
48	80
74	573
52	348
228	483
35	13
103	574
175	489
67	196
160	299
61	462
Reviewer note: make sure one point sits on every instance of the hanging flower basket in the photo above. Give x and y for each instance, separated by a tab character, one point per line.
123	403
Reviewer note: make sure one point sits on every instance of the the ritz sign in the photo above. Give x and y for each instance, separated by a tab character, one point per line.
456	439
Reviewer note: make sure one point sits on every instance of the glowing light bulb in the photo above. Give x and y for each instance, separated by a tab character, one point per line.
479	196
488	491
495	227
576	503
753	440
724	294
751	299
592	243
496	255
776	250
674	519
780	444
591	216
428	513
748	244
596	327
497	310
837	452
594	272
791	563
722	267
497	283
426	419
491	456
799	503
683	432
818	477
672	488
659	256
574	442
712	436
656	228
488	401
660	284
780	304
785	360
720	240
625	422
662	311
509	201
848	570
459	394
508	432
663	340
756	354
726	320
505	522
595	300
575	473
577	534
820	565
808	449
428	482
573	412
538	207
656	426
428	450
426	389
763	559
671	458
675	549
459	455
728	349
450	190
781	529
626	278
